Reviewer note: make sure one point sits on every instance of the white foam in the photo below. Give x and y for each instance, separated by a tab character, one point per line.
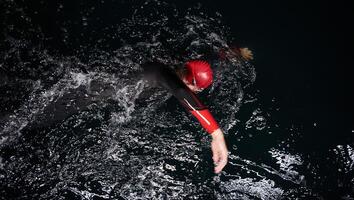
346	155
263	189
38	100
126	97
86	194
287	162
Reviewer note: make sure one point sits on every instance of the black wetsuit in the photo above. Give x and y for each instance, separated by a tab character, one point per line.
159	74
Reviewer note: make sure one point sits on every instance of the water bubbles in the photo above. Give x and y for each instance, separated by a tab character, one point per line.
81	79
170	167
256	121
345	156
84	21
287	164
234	147
60	7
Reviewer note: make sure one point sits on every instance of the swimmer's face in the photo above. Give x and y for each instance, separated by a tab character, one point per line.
192	87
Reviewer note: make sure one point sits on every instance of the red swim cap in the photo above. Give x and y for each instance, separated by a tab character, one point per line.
199	73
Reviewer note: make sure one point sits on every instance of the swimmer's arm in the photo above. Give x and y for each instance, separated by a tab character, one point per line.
206	119
219	149
218	145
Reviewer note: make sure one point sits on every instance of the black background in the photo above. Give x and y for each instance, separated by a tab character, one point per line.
302	53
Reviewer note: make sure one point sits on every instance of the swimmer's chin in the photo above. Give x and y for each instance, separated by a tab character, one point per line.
192	87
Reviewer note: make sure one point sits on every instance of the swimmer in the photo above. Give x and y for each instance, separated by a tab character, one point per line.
183	84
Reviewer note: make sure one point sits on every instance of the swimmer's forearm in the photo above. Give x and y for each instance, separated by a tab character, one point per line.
219	149
216	133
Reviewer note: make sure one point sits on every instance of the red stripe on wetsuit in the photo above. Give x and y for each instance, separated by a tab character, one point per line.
200	112
206	120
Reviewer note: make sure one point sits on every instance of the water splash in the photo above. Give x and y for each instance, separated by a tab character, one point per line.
288	163
90	128
257	120
247	188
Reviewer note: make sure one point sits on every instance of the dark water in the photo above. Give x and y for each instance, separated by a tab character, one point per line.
78	123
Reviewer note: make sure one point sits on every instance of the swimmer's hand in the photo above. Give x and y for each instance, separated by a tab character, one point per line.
246	54
219	150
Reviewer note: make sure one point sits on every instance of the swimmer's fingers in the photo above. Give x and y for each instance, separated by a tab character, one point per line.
216	156
220	166
219	150
219	156
221	163
246	53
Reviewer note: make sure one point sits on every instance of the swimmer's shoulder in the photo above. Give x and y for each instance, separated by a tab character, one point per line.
148	66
